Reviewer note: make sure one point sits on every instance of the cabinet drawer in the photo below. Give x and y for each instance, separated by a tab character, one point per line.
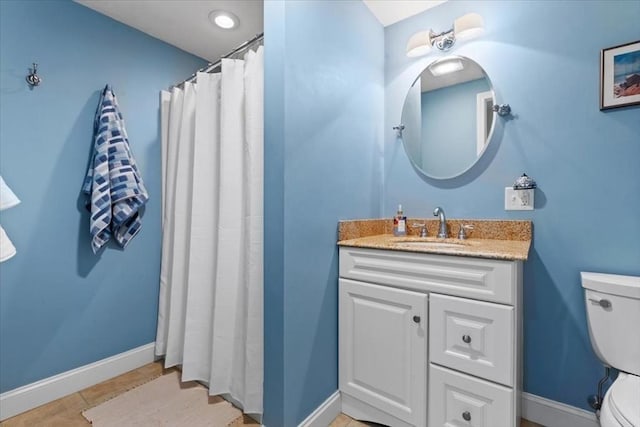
485	279
472	336
457	399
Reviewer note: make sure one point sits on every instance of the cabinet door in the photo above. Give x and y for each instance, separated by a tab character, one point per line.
383	348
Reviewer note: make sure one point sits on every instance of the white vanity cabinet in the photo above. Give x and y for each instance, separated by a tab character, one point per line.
429	340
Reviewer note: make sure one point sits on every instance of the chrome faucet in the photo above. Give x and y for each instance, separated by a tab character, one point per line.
442	231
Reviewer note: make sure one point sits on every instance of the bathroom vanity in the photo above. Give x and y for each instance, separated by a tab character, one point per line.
430	330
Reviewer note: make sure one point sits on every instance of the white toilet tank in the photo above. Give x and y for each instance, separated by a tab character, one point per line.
613	313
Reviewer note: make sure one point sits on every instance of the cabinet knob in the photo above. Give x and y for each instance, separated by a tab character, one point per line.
416	319
466	339
466	415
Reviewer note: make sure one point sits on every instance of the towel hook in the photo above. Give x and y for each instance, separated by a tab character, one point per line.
33	78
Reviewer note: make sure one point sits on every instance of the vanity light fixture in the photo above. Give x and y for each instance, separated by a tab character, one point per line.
466	27
223	19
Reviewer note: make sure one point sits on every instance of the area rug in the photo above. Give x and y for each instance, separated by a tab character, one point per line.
164	402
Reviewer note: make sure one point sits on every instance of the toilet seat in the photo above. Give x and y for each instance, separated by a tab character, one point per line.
622	401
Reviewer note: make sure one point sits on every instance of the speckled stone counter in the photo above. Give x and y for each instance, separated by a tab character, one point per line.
495	239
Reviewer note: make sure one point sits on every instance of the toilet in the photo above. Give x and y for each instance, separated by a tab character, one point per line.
613	313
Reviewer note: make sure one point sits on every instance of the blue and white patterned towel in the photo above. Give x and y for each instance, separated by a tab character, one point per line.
114	188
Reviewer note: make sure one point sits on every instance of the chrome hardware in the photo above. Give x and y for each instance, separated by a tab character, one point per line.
416	319
604	303
399	129
466	339
33	78
595	400
466	415
462	235
423	229
502	109
442	231
443	41
258	39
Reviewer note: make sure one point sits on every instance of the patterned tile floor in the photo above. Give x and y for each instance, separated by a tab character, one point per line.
66	412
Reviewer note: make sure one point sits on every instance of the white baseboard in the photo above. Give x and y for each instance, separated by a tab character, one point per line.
362	411
16	401
325	413
550	413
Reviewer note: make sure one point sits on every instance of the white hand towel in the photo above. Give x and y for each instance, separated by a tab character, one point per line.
7	250
8	199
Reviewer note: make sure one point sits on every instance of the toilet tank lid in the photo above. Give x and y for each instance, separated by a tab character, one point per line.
614	284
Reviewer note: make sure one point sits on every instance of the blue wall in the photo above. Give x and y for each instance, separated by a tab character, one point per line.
543	59
274	219
323	156
449	126
327	105
61	306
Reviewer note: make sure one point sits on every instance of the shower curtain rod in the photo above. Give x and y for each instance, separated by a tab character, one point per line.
214	65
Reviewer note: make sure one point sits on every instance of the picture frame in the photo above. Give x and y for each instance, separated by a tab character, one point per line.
620	76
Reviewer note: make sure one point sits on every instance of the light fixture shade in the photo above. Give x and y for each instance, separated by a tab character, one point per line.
468	26
8	199
419	44
7	250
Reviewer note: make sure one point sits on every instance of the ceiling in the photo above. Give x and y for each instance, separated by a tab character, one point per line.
391	11
185	23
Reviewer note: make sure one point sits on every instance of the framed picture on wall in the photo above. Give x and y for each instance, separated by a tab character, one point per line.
620	76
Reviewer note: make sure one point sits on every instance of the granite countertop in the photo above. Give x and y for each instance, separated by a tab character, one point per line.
494	239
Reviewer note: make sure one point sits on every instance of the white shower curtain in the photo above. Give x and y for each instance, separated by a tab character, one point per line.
210	314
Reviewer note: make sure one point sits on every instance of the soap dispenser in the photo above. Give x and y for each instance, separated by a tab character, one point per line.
399	223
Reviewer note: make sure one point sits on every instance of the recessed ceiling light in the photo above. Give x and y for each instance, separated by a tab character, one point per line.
223	19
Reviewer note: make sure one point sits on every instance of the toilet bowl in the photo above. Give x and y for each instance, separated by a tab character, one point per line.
613	313
621	404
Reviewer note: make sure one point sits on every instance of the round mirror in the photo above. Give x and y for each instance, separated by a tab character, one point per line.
448	117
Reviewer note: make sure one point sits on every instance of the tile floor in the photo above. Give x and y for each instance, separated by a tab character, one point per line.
67	411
